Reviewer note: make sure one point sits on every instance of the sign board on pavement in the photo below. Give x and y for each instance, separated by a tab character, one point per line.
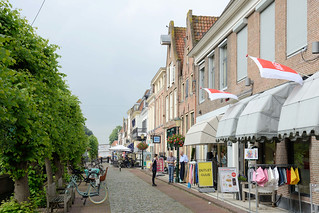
228	179
205	174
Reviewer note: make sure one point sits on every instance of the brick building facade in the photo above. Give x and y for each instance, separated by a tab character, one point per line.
281	31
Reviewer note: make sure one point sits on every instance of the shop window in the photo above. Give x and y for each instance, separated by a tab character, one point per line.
298	154
267	152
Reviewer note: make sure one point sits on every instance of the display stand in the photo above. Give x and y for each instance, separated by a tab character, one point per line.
313	188
228	181
250	183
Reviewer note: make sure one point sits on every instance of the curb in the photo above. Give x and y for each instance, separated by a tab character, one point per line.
216	202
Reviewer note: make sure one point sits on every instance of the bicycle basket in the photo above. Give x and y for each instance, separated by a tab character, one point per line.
102	178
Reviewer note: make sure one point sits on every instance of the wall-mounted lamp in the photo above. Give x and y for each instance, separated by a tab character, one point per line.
200	112
315	47
248	82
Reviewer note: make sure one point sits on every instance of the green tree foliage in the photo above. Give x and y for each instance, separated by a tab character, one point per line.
93	147
88	132
114	135
39	117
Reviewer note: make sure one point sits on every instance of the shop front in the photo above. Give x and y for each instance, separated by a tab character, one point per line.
299	131
202	135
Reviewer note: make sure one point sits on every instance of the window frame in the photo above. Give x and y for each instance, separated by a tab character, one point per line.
223	50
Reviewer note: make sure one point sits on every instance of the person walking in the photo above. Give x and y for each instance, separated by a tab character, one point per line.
154	169
183	162
171	162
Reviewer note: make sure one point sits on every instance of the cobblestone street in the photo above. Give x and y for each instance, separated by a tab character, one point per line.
129	193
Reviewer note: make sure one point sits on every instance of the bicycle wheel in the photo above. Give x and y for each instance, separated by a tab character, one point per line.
79	179
97	194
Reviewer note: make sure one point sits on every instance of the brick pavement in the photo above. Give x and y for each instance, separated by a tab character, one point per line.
197	202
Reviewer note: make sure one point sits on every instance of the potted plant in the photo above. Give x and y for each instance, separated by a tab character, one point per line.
176	141
142	146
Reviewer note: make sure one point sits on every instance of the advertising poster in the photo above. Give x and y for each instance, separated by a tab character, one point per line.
205	174
160	165
251	154
147	164
228	179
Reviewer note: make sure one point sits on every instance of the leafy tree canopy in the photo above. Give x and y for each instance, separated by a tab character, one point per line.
94	147
114	135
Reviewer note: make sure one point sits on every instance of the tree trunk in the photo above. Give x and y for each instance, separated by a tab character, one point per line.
21	187
59	167
48	169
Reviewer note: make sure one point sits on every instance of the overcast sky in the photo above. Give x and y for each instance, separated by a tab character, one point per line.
110	49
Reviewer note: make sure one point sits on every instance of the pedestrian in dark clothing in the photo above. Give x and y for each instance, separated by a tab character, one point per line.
154	169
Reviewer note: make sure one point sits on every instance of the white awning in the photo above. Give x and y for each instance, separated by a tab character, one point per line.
260	118
203	132
300	112
228	124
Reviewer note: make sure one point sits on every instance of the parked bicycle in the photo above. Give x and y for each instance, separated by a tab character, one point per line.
96	190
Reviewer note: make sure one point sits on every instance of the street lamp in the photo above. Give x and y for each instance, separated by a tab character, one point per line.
142	138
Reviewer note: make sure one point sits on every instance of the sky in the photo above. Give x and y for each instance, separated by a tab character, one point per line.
110	50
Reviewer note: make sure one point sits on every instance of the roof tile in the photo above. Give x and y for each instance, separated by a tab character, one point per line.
180	34
202	24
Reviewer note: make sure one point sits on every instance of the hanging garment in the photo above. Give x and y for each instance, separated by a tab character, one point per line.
196	174
296	180
266	183
260	176
293	176
281	177
288	176
271	177
276	175
297	174
284	173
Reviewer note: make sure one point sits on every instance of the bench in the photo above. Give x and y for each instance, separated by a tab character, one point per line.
61	189
55	200
261	191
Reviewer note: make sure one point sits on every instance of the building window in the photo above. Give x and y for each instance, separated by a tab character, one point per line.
172	73
241	54
182	92
167	77
211	79
298	154
166	116
144	125
190	85
175	103
192	118
171	110
296	25
182	125
186	89
223	67
186	123
267	33
201	84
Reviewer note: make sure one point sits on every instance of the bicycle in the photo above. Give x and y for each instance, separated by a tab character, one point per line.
96	190
77	175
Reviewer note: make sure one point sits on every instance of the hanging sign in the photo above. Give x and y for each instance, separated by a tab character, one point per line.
251	154
160	165
205	174
228	179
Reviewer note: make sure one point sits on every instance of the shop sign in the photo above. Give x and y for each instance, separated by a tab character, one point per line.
251	154
228	179
205	174
160	165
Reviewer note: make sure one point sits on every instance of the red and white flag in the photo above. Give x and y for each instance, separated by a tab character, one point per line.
274	70
217	94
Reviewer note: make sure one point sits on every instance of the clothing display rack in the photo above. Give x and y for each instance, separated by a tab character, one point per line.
271	166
